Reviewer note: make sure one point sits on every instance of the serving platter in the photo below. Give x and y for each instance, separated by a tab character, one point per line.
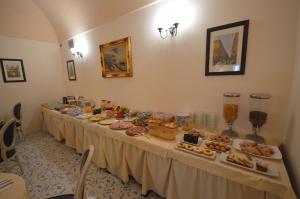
276	156
271	172
107	121
197	154
84	116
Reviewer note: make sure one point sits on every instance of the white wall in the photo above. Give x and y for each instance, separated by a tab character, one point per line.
42	63
293	136
168	75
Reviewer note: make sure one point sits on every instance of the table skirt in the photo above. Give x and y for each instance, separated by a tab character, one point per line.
155	168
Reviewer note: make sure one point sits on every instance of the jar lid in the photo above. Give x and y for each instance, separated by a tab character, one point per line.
231	94
260	96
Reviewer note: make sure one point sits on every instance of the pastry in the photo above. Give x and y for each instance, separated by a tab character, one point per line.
216	146
181	145
191	138
155	121
236	159
197	132
220	138
261	166
189	147
171	125
252	147
248	143
208	152
197	150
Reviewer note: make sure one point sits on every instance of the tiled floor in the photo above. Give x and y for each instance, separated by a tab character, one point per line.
51	168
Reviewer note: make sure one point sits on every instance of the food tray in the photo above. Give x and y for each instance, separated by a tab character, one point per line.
272	171
276	156
212	140
216	150
197	154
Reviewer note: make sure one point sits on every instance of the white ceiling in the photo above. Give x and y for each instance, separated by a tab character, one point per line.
71	17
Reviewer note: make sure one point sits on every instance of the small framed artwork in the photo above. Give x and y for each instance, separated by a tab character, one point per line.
116	58
13	70
226	49
71	70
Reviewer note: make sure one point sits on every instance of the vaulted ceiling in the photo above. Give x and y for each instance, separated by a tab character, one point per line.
71	17
59	20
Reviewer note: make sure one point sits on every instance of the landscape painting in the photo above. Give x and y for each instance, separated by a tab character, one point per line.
226	49
13	70
116	58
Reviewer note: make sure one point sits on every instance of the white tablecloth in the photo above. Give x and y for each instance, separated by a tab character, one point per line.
159	167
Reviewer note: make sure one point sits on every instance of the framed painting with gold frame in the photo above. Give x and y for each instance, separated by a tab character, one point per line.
116	58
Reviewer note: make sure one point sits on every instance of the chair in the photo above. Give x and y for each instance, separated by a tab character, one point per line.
84	166
8	143
18	116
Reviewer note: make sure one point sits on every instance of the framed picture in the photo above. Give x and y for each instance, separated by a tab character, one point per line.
116	58
13	70
71	70
226	49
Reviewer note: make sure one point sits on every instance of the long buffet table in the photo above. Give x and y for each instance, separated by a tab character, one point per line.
159	167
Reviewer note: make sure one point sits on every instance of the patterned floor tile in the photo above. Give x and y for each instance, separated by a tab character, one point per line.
51	168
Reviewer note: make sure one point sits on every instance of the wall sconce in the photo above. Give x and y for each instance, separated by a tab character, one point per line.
75	52
172	30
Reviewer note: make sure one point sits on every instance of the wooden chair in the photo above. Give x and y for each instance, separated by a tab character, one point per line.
8	143
86	160
18	116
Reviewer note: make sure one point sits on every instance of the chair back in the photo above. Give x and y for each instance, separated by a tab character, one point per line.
17	111
7	137
85	163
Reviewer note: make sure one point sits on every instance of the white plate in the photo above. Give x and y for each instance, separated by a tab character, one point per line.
197	154
277	154
83	116
107	122
272	171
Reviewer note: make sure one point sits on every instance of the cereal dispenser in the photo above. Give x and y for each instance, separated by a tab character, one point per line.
258	114
230	111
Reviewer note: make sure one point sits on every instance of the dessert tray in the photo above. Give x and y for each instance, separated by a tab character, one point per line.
195	150
107	121
217	146
258	150
271	171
